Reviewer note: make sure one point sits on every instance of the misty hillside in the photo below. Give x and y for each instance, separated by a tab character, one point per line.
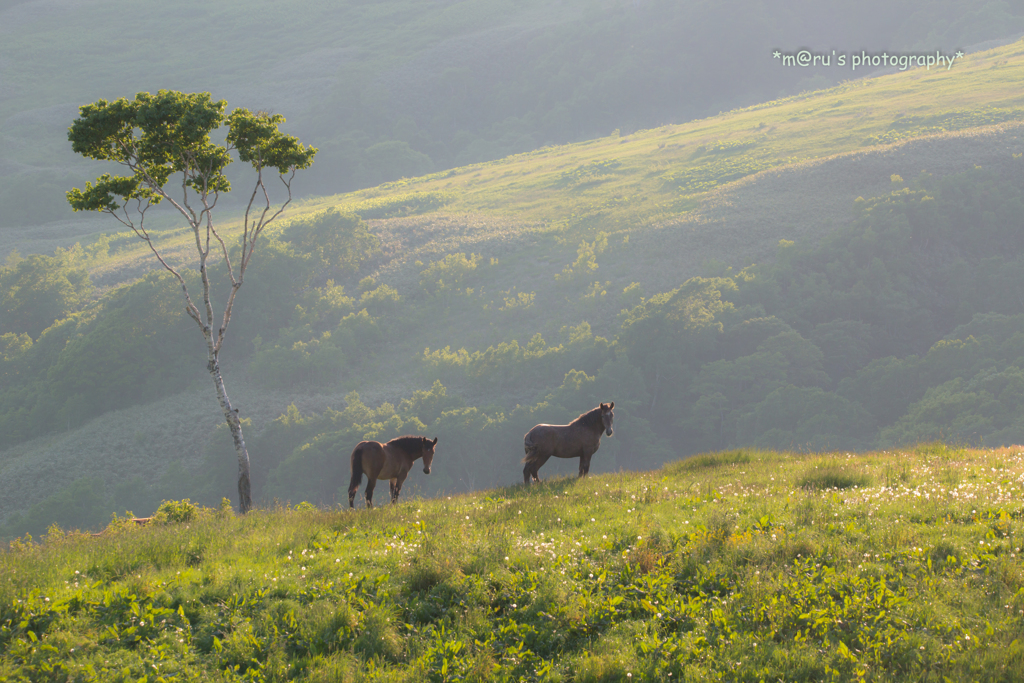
836	269
402	88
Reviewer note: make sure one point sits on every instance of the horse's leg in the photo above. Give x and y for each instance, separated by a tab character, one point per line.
585	464
369	491
397	486
537	464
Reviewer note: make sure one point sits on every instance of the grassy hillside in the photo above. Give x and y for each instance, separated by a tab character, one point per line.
631	181
744	565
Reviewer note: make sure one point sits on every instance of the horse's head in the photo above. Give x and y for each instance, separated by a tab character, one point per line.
607	416
428	453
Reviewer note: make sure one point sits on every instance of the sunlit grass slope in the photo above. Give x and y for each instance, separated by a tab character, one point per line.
746	566
651	175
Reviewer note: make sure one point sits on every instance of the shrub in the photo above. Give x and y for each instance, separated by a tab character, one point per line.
176	511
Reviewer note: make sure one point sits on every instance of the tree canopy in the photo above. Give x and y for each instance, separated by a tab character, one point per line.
155	136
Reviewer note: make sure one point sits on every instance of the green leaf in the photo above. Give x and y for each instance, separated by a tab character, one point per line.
260	142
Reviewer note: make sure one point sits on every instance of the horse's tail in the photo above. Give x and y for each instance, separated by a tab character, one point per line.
357	469
530	447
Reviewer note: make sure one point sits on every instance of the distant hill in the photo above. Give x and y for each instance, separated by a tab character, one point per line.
801	159
399	89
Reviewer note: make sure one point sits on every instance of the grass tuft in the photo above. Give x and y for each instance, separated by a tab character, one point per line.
831	474
712	460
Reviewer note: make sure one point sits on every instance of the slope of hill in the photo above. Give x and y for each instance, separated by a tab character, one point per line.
400	88
526	290
802	160
745	565
629	181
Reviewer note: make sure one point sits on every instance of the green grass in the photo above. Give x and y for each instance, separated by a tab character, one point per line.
832	474
708	460
722	567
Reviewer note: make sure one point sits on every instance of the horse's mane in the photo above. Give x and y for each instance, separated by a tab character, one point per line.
409	444
591	420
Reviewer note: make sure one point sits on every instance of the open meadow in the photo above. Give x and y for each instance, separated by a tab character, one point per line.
745	565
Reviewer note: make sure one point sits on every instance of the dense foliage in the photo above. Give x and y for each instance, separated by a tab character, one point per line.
743	566
36	291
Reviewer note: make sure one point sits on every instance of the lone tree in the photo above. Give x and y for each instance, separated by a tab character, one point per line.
164	143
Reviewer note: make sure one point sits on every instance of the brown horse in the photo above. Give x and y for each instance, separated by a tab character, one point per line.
579	439
391	460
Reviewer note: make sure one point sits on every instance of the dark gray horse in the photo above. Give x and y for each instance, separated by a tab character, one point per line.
579	439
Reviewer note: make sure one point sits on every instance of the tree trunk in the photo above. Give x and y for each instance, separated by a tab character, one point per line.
235	425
